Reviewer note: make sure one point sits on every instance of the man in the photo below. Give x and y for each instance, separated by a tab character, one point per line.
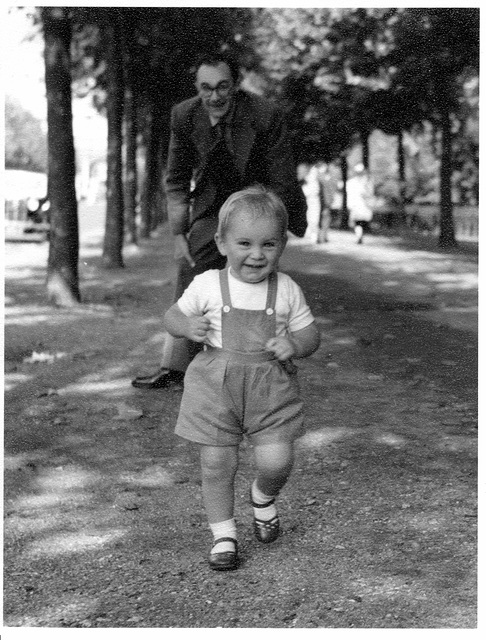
222	140
328	190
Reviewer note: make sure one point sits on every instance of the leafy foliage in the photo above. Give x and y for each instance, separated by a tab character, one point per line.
25	140
433	48
343	73
328	65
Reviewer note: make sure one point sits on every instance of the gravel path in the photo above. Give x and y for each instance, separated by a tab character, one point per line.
104	526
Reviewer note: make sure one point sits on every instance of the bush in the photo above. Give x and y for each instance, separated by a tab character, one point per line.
25	141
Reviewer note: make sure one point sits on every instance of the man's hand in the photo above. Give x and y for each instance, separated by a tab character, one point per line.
181	249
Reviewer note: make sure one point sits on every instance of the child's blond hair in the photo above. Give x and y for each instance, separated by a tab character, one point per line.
256	200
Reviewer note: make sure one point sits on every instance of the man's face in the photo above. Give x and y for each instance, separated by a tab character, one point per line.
216	88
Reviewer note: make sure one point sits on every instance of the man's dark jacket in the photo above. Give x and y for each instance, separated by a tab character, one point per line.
262	154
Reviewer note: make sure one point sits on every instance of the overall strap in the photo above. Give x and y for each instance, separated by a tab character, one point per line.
225	293
272	291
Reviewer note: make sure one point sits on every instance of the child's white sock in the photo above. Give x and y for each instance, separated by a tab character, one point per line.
258	497
225	529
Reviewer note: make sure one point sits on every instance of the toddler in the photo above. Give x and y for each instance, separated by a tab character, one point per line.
252	320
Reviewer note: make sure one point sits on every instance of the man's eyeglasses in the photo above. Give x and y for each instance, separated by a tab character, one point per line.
222	89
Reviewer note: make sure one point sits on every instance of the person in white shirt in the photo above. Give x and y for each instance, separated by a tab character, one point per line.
252	320
360	202
309	181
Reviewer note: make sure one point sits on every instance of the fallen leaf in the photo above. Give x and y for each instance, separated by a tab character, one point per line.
127	413
49	392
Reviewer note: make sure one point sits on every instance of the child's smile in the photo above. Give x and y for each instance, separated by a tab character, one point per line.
253	247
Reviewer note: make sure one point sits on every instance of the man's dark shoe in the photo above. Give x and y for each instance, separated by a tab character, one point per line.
162	378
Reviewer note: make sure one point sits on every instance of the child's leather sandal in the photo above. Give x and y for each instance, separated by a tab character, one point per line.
226	560
265	531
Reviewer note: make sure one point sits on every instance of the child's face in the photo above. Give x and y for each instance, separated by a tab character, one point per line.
252	246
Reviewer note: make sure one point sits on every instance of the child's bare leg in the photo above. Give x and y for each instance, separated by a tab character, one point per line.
274	464
218	470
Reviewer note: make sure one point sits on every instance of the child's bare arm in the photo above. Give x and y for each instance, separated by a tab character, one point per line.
300	344
179	325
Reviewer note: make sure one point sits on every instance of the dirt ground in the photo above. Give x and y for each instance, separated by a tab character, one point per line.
104	526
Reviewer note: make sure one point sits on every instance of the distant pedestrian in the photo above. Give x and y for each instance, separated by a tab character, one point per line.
252	320
307	175
360	199
328	188
319	188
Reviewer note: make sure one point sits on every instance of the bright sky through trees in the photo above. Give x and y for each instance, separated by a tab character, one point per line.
23	64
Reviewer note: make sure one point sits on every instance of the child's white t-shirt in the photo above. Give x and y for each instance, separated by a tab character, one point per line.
203	297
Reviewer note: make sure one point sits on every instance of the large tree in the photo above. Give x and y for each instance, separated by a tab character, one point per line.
62	267
130	47
111	32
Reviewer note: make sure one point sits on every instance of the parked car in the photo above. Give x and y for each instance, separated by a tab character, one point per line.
26	206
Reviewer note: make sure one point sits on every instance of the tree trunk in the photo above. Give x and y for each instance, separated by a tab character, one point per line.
152	170
146	204
401	159
113	241
158	126
344	176
365	147
447	235
159	207
131	162
401	176
62	266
